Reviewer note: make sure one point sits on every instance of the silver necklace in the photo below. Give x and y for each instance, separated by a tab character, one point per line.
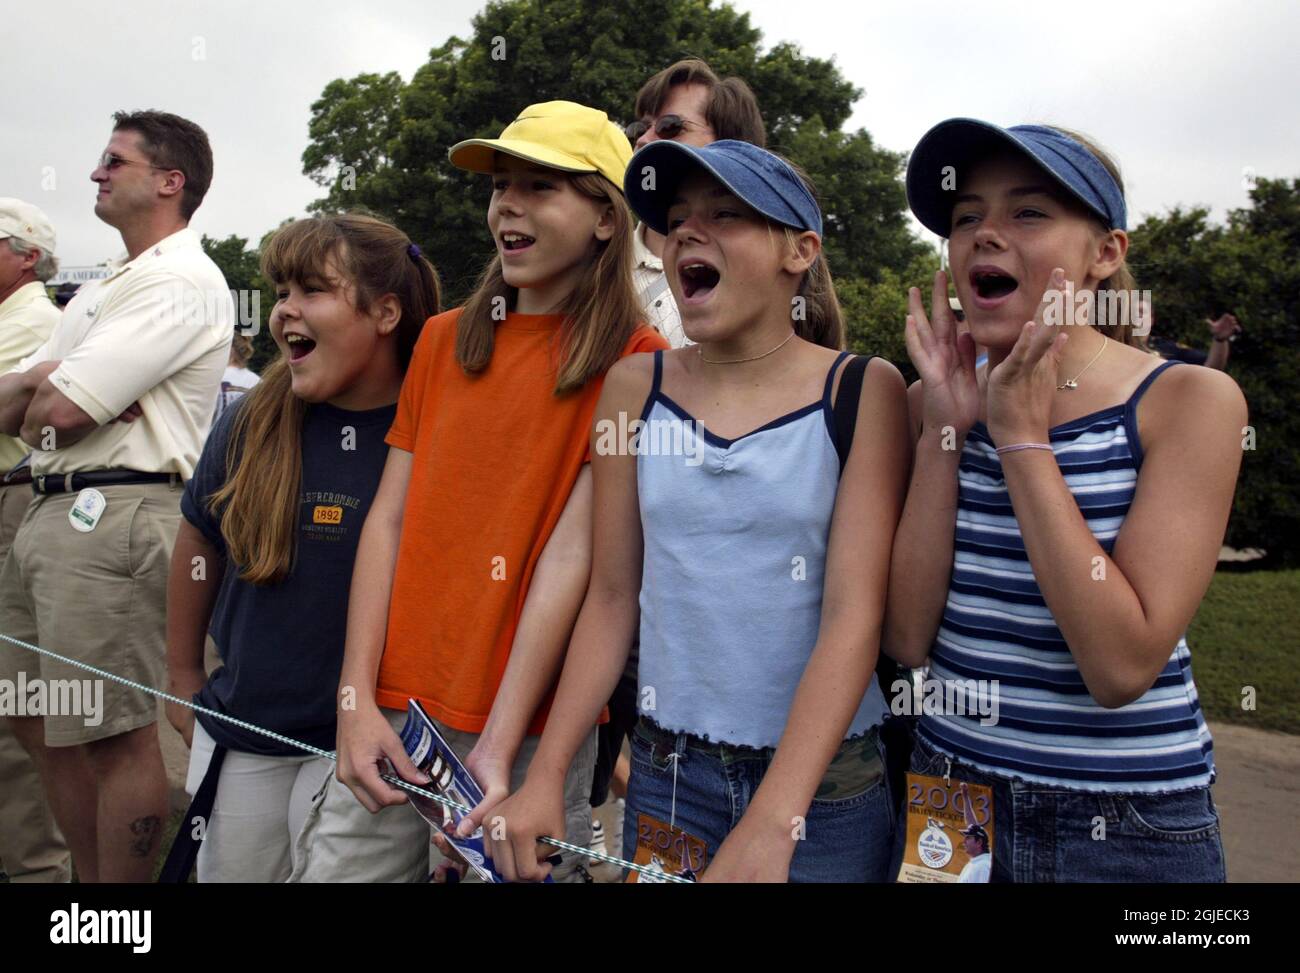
1073	383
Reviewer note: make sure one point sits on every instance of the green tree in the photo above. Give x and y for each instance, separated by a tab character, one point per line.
1251	267
875	311
379	144
253	296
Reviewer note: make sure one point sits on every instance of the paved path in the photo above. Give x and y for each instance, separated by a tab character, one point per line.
1258	793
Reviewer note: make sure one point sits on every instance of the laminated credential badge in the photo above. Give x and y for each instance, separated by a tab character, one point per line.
87	510
949	831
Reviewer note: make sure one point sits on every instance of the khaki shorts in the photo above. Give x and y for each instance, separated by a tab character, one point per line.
31	847
343	842
97	597
14	501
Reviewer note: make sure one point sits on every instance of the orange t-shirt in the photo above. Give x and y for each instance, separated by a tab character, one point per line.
496	456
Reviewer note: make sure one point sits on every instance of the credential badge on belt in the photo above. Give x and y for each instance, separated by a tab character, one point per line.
85	513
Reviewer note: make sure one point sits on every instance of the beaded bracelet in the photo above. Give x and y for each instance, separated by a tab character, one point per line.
1015	446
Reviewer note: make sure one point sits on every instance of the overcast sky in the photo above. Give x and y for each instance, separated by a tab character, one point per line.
1186	95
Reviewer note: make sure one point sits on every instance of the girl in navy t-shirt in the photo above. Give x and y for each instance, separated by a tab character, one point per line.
263	558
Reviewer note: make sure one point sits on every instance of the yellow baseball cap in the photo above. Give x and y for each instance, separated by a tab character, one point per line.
558	134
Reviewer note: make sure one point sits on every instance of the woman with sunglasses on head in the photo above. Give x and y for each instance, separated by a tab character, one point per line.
688	103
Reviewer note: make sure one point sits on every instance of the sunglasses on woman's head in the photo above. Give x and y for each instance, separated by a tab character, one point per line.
666	127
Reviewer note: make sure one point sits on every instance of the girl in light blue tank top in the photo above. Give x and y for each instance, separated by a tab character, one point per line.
1064	520
743	529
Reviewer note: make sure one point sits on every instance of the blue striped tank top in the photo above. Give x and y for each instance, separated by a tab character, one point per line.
996	626
735	535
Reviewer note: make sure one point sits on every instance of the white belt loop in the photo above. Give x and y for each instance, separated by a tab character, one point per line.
672	811
67	482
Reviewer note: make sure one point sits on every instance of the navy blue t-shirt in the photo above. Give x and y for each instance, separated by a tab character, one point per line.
282	645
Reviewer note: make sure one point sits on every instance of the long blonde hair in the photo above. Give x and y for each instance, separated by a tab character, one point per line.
600	313
259	500
823	319
1121	281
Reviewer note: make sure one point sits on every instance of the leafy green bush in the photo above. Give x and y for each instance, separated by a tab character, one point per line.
875	311
1251	267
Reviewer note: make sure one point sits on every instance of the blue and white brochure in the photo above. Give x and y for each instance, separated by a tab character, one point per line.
432	754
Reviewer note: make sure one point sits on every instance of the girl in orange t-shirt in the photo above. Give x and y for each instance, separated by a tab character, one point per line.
744	541
475	557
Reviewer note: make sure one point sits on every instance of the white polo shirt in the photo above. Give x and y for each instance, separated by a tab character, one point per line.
156	332
27	316
651	286
977	869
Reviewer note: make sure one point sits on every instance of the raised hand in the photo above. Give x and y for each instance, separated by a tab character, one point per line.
1224	326
1022	387
945	360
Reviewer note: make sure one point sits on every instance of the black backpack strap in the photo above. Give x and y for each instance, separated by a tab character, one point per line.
846	420
185	847
846	405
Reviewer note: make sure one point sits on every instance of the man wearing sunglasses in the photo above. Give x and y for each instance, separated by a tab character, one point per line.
686	102
115	405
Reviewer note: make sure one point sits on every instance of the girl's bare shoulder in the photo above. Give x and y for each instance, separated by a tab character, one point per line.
1189	402
631	376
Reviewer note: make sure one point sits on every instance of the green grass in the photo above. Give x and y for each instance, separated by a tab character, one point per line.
1247	633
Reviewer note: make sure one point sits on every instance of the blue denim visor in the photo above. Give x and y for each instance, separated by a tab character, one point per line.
959	143
757	177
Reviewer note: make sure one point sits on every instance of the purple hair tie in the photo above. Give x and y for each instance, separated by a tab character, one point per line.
413	252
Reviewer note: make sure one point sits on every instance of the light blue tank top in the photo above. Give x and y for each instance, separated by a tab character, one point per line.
735	534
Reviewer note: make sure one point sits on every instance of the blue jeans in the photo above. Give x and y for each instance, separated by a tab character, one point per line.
847	831
1044	833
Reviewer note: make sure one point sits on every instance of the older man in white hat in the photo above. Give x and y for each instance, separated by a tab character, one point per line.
27	315
31	846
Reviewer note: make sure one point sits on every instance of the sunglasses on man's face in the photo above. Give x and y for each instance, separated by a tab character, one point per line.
111	161
665	126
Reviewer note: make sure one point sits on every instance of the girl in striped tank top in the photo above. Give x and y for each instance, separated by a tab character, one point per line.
1036	563
748	537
